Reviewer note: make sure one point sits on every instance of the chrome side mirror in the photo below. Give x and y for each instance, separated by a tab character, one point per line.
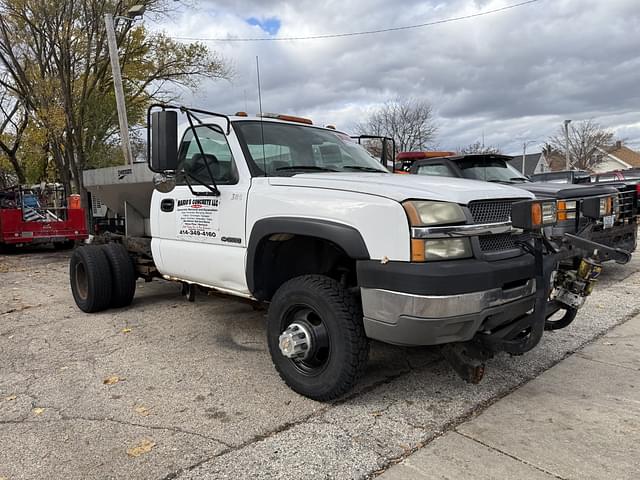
163	182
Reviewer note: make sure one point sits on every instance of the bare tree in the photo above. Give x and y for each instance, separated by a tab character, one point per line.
409	122
13	123
586	139
478	147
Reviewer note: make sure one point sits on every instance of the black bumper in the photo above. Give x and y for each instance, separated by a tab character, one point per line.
444	278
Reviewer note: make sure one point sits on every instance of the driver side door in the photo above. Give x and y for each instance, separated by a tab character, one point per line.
203	235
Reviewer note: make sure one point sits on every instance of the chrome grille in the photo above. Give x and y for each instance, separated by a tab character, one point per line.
491	211
626	200
499	242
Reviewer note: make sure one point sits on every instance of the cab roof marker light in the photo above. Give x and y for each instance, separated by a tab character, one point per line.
286	118
241	114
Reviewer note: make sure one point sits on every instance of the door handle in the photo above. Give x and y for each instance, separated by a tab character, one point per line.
166	205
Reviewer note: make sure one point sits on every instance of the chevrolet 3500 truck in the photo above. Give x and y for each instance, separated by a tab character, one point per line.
276	210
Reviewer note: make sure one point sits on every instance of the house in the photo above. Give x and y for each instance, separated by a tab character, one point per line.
617	157
533	163
613	157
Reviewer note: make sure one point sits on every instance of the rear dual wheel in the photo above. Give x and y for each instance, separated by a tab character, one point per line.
102	276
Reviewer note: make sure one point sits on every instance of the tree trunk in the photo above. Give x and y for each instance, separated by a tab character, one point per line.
17	168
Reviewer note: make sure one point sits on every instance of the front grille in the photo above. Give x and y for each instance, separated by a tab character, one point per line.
491	211
499	242
626	201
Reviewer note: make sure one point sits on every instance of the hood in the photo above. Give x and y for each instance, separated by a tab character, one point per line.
563	190
405	187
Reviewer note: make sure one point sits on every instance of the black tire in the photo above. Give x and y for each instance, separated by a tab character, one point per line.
334	317
568	317
90	276
123	274
8	248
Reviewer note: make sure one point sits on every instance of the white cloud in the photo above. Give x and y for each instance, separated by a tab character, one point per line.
510	76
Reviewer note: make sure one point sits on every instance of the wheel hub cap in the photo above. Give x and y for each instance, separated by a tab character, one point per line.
295	341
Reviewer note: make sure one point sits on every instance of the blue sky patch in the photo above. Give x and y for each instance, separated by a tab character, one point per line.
269	25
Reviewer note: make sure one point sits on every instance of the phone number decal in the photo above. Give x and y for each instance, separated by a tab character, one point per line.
198	233
197	220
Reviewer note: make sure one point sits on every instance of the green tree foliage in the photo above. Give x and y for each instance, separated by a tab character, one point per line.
55	60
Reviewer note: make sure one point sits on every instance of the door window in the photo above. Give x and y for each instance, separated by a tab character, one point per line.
217	161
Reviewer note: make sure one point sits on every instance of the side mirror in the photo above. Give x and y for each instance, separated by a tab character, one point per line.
164	141
163	183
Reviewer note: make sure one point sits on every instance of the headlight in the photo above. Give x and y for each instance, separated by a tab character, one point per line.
567	210
533	214
427	213
446	248
597	207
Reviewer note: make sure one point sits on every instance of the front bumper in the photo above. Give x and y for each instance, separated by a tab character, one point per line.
443	302
405	319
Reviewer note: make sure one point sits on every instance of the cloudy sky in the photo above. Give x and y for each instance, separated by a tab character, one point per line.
511	76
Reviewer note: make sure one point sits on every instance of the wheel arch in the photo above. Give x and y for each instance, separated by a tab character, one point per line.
345	237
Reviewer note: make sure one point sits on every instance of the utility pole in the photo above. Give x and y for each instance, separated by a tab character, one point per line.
567	163
132	13
524	158
119	89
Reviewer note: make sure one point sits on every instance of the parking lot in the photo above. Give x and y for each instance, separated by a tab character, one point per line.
171	389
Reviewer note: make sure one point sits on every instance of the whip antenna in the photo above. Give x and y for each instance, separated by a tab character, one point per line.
264	156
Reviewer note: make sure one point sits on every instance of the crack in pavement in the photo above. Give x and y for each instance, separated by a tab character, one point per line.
585	357
520	460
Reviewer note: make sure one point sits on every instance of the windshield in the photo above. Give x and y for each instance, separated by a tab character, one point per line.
291	149
489	170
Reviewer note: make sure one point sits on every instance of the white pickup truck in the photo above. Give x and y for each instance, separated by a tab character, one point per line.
279	211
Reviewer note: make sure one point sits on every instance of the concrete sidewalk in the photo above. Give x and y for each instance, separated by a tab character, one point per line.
578	420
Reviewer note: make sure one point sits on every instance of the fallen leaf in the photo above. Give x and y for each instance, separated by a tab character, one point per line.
10	397
38	411
143	447
141	410
126	330
111	380
376	414
608	343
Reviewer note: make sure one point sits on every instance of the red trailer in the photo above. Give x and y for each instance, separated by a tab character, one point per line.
41	214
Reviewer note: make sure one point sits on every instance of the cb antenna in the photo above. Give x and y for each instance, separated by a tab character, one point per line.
264	156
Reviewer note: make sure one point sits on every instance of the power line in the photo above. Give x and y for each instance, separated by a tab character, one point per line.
355	34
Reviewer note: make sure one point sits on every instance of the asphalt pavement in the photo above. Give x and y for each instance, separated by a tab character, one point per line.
171	389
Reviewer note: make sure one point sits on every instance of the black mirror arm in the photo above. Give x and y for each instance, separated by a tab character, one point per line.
214	189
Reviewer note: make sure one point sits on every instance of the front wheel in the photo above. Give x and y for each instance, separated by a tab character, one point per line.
316	337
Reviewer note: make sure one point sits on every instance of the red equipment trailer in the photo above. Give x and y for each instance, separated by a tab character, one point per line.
41	214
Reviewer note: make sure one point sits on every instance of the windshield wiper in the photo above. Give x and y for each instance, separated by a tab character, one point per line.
520	179
363	169
313	168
